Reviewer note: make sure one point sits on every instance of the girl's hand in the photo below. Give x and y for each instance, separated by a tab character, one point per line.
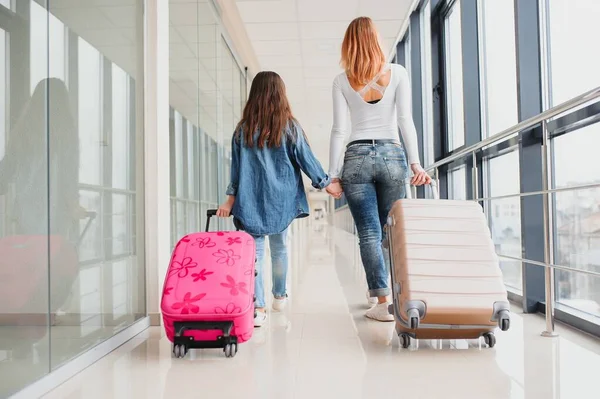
420	177
335	189
224	210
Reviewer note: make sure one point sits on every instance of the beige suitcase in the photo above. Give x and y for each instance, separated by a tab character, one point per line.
446	278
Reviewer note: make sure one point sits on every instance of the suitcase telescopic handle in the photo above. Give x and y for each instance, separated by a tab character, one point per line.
209	214
433	186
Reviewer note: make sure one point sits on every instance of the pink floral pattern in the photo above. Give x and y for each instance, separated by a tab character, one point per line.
182	268
231	308
188	305
204	242
201	275
167	291
233	240
235	288
226	256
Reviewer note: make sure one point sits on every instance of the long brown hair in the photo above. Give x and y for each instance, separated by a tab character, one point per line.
362	56
267	110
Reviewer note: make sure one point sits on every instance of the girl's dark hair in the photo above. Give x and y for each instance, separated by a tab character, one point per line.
267	110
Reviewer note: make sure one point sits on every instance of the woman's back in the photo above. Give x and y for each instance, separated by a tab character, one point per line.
372	106
372	119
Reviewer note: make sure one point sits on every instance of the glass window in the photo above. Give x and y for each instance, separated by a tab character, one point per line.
574	65
179	155
427	87
4	94
90	116
454	78
120	129
229	74
25	251
69	149
504	215
191	175
94	187
577	219
457	183
499	72
47	37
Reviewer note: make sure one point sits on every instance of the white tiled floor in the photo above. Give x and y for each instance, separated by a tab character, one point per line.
323	347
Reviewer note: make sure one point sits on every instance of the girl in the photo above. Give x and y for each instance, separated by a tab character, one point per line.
378	96
268	194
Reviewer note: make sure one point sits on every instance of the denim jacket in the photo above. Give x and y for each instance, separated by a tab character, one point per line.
269	192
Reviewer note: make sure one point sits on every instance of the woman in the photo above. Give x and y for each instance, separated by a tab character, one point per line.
378	96
268	194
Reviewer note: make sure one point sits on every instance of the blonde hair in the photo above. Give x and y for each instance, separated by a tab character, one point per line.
362	55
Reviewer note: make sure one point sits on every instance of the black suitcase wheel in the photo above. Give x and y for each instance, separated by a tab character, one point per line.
404	340
490	339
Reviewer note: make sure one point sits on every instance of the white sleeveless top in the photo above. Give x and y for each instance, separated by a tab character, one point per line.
379	121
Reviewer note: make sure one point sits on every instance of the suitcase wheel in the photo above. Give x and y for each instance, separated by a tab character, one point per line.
179	351
504	320
230	350
490	339
414	318
404	340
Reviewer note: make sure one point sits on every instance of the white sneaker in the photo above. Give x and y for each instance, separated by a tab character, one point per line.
279	304
380	312
371	300
260	319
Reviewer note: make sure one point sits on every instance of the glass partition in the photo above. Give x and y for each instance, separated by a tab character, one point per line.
577	219
206	102
454	78
71	182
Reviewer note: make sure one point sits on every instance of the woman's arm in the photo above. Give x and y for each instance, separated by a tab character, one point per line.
338	130
404	115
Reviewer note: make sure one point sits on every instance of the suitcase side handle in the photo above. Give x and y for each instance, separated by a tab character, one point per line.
433	186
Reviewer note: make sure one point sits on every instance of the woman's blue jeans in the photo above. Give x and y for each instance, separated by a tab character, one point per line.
373	179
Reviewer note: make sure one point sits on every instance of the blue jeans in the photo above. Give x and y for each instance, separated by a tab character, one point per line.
279	260
373	178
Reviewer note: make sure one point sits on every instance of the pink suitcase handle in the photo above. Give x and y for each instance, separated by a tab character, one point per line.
209	214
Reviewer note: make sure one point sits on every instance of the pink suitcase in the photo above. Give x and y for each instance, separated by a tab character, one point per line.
208	294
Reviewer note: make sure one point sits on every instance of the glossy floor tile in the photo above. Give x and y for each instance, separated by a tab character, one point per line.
323	347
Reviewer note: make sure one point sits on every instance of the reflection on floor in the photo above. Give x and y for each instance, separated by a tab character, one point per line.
323	347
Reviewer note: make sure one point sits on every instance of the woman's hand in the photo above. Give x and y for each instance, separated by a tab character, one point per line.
224	210
335	189
420	177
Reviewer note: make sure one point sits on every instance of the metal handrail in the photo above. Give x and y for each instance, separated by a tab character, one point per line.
546	191
552	266
540	192
526	124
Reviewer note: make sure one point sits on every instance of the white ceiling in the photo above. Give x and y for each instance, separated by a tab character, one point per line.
301	40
